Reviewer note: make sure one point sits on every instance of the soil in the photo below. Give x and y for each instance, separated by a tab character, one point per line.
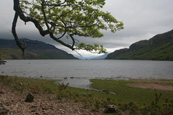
43	104
152	84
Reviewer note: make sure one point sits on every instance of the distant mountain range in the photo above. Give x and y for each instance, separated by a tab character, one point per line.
159	47
36	50
100	57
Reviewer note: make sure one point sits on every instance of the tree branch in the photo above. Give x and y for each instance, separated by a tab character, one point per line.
20	13
61	42
71	36
44	15
15	34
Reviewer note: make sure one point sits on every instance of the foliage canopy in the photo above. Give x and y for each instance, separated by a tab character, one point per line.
66	18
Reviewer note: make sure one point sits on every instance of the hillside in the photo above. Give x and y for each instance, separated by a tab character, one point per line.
36	50
159	47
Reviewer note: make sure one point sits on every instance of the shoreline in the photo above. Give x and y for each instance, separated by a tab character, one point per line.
57	99
85	83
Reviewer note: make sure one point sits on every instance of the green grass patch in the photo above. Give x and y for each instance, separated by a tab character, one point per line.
126	94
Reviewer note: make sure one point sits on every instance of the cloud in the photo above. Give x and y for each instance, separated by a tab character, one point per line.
142	20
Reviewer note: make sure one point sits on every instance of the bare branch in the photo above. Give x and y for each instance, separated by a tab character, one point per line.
45	18
15	34
20	13
61	42
71	36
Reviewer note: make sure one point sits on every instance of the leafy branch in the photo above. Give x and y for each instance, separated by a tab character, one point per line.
60	18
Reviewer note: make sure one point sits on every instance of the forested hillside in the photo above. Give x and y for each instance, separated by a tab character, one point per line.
159	47
35	50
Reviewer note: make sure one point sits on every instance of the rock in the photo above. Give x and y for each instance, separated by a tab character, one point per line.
112	93
29	98
3	110
110	109
2	62
20	84
105	91
1	92
33	107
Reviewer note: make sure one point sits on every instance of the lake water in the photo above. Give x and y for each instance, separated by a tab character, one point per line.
78	72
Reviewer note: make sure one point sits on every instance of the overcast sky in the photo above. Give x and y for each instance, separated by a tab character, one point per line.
142	20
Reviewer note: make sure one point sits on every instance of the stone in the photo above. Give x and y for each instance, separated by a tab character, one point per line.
33	107
1	92
4	110
71	77
29	98
110	109
2	62
104	91
112	93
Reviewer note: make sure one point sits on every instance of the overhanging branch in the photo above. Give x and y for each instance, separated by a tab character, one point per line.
15	34
19	13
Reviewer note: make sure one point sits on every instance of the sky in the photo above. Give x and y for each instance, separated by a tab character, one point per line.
142	20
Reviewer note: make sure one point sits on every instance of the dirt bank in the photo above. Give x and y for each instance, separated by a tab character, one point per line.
152	84
44	104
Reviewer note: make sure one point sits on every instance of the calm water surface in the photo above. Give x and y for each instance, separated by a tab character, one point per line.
78	72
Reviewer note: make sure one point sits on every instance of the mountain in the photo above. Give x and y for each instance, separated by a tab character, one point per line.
100	57
159	47
35	50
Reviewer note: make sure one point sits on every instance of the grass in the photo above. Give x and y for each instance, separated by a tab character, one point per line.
29	84
126	94
128	100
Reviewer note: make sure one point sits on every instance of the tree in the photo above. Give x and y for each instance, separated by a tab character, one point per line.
66	18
